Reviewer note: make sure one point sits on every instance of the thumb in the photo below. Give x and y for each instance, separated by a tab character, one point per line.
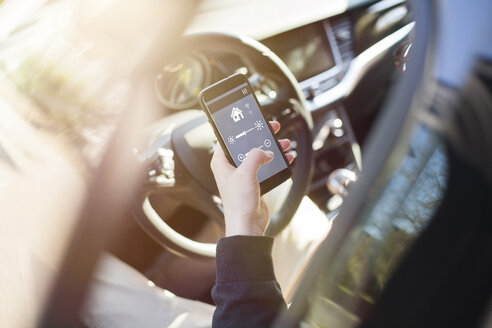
255	159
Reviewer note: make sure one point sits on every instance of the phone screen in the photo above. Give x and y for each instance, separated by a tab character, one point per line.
242	127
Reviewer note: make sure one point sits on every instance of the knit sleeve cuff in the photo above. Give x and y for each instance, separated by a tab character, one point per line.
244	258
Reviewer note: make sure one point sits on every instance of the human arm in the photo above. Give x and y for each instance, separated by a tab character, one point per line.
246	291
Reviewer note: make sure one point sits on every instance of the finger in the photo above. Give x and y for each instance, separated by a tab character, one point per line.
219	161
290	157
275	126
285	144
254	160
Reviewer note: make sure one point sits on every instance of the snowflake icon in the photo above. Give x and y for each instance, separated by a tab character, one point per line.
259	125
231	140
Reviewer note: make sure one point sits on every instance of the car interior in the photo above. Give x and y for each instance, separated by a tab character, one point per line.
316	111
105	158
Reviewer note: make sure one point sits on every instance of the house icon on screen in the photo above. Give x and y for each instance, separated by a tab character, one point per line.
236	114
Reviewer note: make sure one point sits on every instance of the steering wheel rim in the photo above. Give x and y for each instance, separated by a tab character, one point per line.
299	123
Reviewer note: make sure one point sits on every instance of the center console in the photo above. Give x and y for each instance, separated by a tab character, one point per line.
319	54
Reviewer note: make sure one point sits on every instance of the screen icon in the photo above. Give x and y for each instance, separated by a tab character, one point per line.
236	114
247	107
259	125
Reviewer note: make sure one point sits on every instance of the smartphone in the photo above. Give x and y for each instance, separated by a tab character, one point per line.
235	115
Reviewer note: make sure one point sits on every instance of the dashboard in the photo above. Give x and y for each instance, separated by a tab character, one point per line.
305	57
344	63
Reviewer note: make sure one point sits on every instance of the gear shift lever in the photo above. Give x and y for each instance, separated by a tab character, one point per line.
339	180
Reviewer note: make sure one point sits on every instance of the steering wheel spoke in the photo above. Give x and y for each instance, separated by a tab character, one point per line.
200	199
167	178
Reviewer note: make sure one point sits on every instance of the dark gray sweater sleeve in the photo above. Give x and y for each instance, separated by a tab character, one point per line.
246	292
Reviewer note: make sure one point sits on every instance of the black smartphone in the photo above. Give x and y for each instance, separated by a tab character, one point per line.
235	115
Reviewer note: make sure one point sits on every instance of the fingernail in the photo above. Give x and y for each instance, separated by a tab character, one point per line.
269	153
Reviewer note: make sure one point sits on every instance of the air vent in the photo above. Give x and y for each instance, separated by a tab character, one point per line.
342	30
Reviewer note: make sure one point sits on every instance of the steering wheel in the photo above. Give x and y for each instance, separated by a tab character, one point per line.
178	158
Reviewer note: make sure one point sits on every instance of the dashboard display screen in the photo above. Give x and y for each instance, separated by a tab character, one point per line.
305	50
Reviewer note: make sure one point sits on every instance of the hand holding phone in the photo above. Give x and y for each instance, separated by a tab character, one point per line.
240	126
245	211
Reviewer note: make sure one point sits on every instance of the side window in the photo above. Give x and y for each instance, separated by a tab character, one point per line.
352	284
